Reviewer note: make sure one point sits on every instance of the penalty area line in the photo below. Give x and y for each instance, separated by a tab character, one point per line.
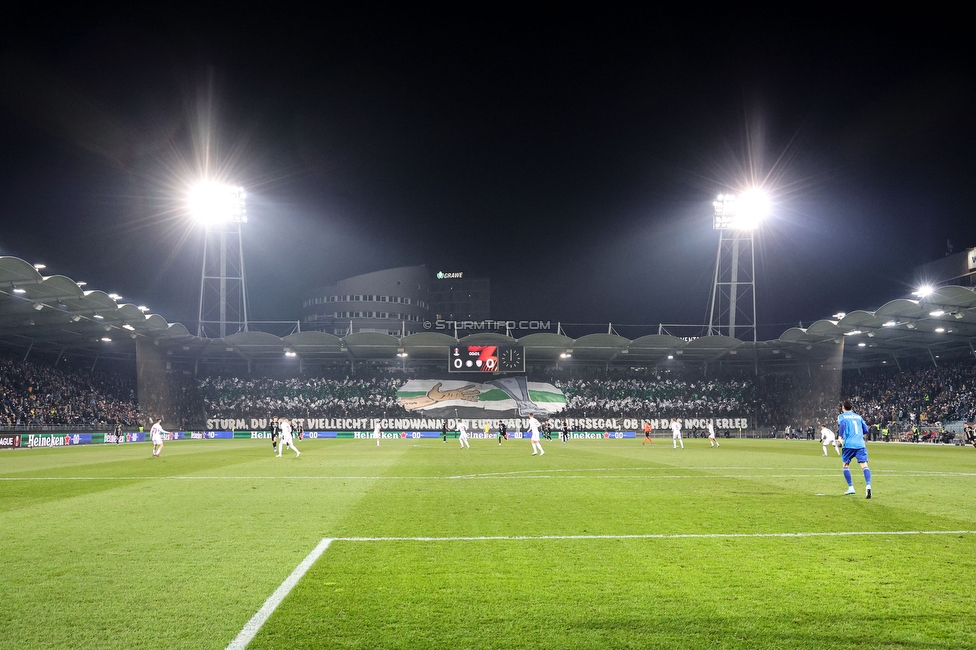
271	604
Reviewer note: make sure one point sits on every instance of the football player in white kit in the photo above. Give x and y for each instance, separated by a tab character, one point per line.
156	434
534	428
463	434
676	433
827	437
286	438
712	442
376	433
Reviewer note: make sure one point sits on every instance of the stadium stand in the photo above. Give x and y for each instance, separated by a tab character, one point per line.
41	395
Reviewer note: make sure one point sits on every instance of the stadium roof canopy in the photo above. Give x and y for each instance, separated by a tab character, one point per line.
54	314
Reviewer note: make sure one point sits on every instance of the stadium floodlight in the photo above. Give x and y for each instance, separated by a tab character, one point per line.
81	283
923	291
732	310
939	329
862	344
106	339
19	290
839	315
142	308
115	296
40	267
743	212
215	203
891	323
936	313
98	316
852	333
291	353
223	297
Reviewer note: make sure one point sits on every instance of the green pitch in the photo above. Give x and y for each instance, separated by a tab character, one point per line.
597	544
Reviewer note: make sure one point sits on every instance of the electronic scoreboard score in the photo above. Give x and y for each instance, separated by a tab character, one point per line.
487	358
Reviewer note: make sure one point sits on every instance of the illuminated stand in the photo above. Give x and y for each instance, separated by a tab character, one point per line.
223	298
733	304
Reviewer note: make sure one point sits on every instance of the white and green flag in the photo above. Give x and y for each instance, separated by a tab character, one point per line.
502	398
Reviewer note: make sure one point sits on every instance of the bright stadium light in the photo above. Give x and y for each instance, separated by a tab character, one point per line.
923	291
223	298
737	217
936	313
215	203
742	212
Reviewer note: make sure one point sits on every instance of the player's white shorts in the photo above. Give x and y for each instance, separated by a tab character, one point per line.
712	435
157	439
535	437
675	434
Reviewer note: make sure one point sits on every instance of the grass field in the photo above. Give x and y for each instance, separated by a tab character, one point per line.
597	544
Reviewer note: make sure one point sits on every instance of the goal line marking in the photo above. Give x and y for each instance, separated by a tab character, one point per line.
257	621
271	604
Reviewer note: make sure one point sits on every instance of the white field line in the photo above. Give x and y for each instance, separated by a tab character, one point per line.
258	620
254	625
522	538
487	477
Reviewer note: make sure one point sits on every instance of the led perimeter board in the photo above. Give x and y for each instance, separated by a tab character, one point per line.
487	358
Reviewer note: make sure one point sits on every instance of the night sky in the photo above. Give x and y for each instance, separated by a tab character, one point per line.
572	157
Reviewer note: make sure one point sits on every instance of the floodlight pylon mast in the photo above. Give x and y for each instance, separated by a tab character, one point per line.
223	292
733	303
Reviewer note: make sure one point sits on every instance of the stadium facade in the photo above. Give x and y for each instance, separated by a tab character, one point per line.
454	297
392	301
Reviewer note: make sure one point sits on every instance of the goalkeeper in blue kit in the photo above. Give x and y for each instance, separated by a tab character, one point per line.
851	429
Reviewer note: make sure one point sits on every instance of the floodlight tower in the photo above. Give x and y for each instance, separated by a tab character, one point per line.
733	304
223	297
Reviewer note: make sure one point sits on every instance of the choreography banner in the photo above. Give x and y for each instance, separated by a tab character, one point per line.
498	398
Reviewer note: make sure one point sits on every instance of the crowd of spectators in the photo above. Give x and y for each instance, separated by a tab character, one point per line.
922	396
651	397
306	396
791	400
36	394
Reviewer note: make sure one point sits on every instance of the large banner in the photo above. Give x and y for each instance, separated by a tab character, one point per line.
617	423
497	398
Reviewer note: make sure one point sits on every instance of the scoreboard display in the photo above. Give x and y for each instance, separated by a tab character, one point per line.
487	358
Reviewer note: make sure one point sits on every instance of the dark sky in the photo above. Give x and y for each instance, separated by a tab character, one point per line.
571	157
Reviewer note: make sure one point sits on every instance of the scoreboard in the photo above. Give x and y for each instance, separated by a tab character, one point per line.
487	358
